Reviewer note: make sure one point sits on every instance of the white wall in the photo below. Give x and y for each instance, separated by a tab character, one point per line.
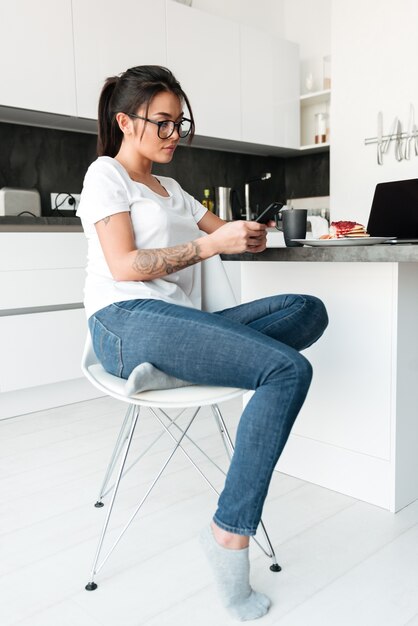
374	55
308	23
263	14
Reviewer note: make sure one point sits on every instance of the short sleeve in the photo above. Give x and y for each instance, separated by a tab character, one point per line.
197	209
104	193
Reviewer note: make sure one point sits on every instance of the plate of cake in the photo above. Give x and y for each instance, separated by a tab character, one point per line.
345	233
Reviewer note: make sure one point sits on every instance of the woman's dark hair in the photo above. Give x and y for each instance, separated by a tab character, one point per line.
127	93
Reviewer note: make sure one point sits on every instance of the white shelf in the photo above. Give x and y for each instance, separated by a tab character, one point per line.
310	105
316	97
315	147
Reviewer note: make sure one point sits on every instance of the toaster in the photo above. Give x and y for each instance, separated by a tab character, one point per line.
17	201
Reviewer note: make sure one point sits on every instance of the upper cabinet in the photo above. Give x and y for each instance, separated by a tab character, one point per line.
36	48
109	39
270	89
242	83
203	53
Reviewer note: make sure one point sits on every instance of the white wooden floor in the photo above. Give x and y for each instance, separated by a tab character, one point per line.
345	563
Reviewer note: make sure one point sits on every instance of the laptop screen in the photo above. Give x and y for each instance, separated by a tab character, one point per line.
394	211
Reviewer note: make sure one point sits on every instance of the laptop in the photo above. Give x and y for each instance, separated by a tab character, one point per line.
394	211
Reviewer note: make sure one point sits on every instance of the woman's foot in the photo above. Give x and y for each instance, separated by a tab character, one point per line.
230	564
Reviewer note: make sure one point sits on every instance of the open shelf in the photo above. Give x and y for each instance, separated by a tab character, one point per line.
316	147
315	97
311	104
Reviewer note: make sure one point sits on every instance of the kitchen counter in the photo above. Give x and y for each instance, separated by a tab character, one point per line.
390	253
11	224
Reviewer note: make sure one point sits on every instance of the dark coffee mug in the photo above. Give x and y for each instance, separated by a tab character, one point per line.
294	226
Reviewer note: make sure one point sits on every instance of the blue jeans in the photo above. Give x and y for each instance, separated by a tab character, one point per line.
253	346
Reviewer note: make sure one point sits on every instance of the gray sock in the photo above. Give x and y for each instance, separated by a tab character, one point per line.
232	574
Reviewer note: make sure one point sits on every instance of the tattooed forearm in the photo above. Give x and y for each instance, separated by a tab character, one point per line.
161	261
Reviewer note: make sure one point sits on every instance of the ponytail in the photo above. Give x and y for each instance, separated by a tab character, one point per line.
127	93
109	134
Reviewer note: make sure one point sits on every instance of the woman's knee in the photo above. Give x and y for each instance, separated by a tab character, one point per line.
303	369
295	367
315	321
318	312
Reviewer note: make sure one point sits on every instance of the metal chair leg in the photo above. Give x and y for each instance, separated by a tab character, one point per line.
229	446
143	453
172	422
166	430
186	454
123	435
91	585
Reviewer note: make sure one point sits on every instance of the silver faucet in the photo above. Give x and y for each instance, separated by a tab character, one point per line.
264	176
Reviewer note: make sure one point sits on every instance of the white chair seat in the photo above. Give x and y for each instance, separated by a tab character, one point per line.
195	395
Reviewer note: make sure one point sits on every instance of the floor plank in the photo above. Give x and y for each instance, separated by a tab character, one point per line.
379	591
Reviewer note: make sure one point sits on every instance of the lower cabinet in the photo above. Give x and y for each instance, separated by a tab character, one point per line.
41	348
42	321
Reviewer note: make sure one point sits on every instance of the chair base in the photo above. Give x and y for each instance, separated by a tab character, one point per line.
275	567
122	449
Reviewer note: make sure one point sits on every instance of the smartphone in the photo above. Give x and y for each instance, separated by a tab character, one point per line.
269	213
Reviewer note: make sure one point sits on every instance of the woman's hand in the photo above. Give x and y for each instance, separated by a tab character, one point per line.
239	236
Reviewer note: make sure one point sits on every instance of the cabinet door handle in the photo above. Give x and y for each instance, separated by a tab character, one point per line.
29	310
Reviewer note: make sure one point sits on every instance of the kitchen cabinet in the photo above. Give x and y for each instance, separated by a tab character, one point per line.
40	348
204	54
36	48
242	83
108	40
42	321
310	105
270	89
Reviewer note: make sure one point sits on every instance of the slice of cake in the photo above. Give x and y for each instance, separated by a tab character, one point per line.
345	228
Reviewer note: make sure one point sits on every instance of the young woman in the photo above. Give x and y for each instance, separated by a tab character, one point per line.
142	299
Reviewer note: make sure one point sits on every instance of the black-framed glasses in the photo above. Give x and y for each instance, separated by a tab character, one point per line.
166	127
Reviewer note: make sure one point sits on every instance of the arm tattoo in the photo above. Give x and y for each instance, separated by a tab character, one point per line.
160	261
106	220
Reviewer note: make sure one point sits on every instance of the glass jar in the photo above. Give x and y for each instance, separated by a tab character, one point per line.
321	127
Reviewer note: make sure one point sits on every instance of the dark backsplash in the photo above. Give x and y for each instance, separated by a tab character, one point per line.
54	160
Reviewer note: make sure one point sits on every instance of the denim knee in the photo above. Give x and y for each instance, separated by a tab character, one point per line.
297	367
314	323
303	369
318	312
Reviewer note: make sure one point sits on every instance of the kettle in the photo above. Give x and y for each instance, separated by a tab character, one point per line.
227	205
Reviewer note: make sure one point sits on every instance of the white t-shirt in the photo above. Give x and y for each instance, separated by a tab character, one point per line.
158	222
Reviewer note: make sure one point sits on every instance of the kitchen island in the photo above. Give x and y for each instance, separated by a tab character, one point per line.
358	430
